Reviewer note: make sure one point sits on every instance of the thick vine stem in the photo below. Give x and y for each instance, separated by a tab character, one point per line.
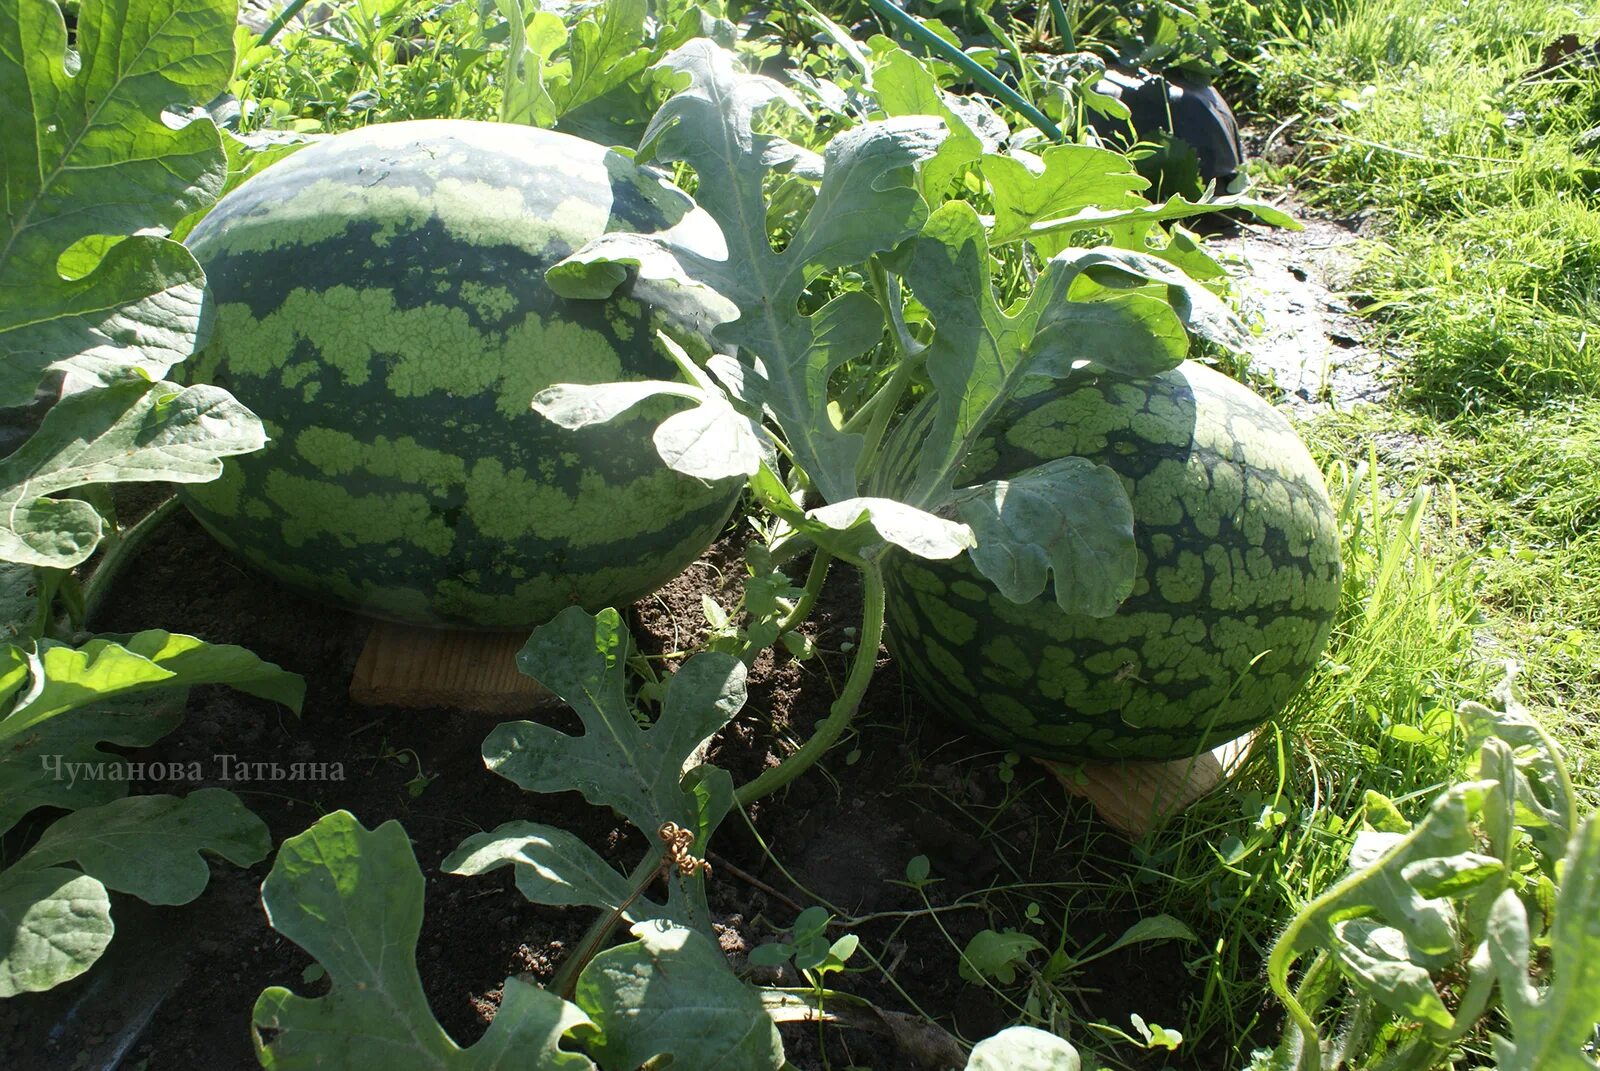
844	708
814	581
565	980
121	551
880	408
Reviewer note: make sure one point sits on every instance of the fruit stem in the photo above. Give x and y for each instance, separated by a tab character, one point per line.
844	708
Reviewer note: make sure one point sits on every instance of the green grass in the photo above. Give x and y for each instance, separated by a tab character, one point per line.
1483	171
1484	281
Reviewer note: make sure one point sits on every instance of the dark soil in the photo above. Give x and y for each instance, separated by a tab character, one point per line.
899	787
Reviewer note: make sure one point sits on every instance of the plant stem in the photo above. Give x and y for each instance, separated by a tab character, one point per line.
565	980
974	70
790	546
886	400
277	24
121	551
814	581
844	708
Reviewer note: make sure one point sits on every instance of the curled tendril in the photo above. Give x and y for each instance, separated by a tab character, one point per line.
678	841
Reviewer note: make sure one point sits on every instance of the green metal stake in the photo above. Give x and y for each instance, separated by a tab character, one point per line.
976	71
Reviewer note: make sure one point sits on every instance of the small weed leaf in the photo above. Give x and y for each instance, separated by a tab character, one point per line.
996	955
1154	1035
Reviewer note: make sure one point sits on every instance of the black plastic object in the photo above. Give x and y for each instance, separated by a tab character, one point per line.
1170	104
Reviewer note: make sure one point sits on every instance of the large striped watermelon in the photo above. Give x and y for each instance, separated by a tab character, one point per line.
379	301
1238	579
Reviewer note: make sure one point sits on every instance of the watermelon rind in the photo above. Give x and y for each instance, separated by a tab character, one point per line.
378	299
1237	582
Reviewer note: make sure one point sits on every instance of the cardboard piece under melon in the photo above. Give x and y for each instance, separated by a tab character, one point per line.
1137	797
402	666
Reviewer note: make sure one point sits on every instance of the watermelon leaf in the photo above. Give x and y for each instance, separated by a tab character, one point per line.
1070	517
1105	271
1175	207
981	354
353	898
78	697
1061	180
1421	900
1089	309
108	147
54	923
867	203
639	772
130	432
534	40
149	846
1534	792
849	527
904	86
670	993
551	70
1023	1048
59	703
1552	1026
712	441
551	865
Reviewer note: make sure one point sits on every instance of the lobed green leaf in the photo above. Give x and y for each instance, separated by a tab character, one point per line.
136	431
352	898
105	140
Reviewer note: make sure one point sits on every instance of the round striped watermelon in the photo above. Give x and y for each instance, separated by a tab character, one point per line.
379	301
1237	583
